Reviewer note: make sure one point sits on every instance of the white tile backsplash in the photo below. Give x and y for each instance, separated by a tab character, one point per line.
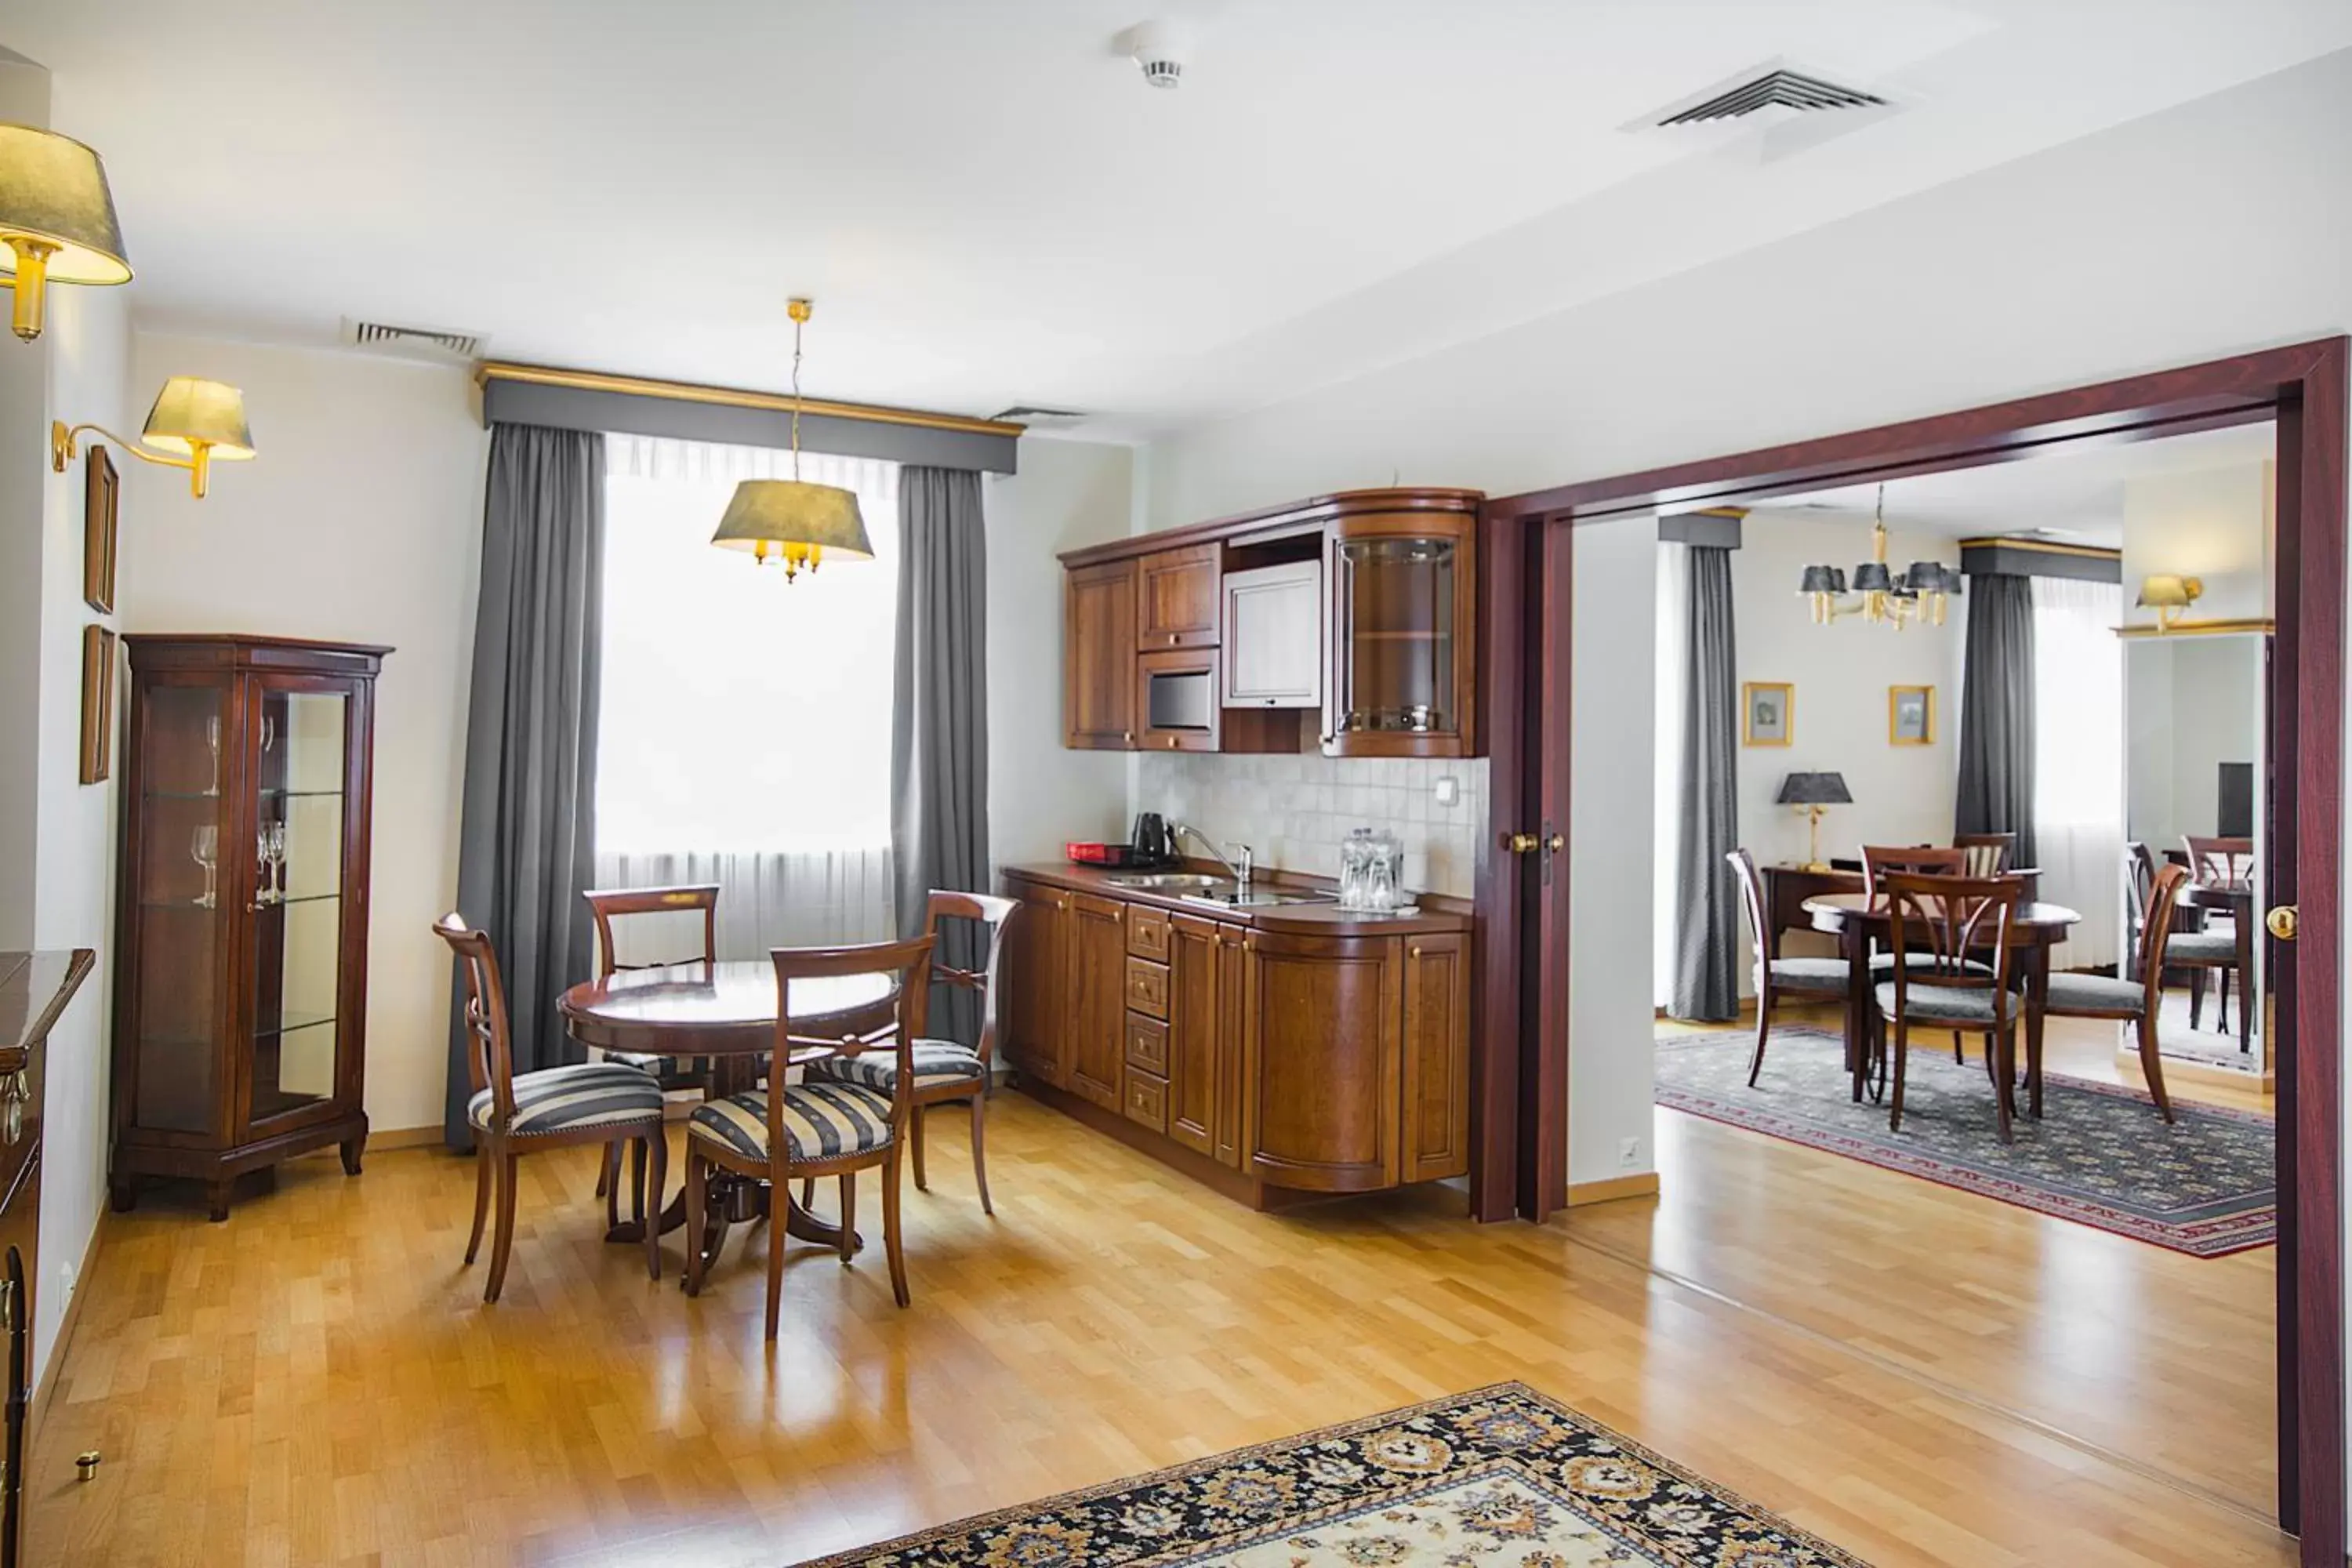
1294	811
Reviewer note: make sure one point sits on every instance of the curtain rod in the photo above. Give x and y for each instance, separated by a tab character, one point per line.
735	397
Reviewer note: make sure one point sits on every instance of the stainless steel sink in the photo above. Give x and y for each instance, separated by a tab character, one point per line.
1171	882
1232	898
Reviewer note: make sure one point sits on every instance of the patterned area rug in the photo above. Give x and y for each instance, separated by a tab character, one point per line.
2100	1156
1499	1478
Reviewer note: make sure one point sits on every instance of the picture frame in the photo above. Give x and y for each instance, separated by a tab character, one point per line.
1910	715
96	704
1768	713
101	503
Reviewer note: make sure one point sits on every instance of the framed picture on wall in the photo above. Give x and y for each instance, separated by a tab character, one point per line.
1768	713
100	496
96	704
1911	715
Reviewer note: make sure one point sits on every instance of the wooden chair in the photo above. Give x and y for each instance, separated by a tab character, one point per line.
945	1070
1821	977
605	907
1937	921
2227	864
513	1115
2134	1001
1986	854
1923	861
820	1129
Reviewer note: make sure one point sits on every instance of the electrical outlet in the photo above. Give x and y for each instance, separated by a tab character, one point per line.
1448	791
1629	1152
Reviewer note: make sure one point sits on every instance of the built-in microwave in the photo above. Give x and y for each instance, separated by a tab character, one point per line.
1178	699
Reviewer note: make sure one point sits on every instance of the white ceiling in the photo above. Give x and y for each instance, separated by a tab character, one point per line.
2073	493
989	205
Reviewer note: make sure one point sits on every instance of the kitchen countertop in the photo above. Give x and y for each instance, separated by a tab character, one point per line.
1437	914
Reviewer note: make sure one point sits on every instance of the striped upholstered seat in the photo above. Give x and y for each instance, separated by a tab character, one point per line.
822	1122
1984	859
562	1100
938	1064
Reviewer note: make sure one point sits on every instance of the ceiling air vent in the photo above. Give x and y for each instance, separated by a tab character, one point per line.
1776	89
412	343
1037	418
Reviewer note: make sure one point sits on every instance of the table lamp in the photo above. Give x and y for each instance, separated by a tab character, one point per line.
1812	793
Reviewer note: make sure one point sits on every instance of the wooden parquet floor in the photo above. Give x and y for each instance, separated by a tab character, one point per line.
317	1382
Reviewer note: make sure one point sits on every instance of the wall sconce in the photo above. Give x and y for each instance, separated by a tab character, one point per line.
193	424
56	221
2168	595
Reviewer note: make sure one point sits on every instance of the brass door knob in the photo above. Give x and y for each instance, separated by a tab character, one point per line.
1528	843
2281	922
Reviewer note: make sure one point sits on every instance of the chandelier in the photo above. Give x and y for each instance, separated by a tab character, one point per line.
1888	598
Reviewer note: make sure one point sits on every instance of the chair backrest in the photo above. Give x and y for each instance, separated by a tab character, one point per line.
1878	859
2164	898
1751	893
1940	922
2139	878
909	961
993	914
1986	854
2220	862
607	904
489	1061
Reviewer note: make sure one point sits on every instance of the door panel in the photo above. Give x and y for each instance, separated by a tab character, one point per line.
1196	1023
1097	943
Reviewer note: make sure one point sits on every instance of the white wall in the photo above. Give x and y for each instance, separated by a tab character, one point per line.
2070	266
361	520
1068	494
2216	524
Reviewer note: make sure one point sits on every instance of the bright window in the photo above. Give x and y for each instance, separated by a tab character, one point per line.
742	714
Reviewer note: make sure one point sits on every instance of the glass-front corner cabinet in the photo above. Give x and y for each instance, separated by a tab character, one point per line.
241	950
1403	591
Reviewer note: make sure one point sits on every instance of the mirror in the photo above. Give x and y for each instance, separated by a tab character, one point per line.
2196	716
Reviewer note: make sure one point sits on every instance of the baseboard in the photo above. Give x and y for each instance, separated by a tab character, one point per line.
1582	1194
48	1390
2180	1069
384	1140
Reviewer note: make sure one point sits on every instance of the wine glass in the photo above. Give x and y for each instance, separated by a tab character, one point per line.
212	743
273	854
203	848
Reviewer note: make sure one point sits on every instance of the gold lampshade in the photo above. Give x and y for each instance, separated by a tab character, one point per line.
57	220
192	412
2168	595
794	522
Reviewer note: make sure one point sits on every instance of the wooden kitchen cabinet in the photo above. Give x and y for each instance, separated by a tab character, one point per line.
1321	1063
1095	945
1201	1051
1179	597
1034	1038
1098	684
1399	679
1435	1139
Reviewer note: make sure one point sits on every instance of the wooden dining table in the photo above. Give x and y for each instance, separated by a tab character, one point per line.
1858	920
725	1011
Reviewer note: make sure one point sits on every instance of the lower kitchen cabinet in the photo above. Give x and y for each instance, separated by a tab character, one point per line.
1273	1058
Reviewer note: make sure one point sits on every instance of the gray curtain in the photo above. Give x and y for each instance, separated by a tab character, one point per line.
1707	899
939	733
1996	787
527	841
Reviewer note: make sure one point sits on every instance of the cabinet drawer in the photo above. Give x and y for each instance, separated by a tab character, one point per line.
1147	987
1147	1044
1147	931
1147	1101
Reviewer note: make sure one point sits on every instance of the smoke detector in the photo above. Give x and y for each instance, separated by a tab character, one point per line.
1158	49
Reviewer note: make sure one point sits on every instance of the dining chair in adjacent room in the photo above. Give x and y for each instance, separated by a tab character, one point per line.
1821	978
2227	865
1925	860
1937	921
946	1071
1985	854
606	906
822	1127
2137	1001
513	1114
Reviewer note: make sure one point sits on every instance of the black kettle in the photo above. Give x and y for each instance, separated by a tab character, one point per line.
1150	845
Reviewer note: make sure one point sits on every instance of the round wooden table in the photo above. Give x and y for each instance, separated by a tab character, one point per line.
726	1012
1855	918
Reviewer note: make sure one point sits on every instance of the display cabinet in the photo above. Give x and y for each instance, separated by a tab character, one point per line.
241	971
1403	612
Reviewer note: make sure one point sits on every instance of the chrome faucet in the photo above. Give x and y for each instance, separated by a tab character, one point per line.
1240	871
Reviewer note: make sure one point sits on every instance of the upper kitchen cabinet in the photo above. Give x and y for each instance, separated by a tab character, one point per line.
1098	656
1346	625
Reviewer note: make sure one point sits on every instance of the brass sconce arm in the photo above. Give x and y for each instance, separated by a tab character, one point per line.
63	447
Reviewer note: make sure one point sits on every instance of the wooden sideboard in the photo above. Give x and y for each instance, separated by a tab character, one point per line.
33	990
1274	1053
1375	639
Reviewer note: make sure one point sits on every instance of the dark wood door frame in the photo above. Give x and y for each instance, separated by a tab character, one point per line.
1525	539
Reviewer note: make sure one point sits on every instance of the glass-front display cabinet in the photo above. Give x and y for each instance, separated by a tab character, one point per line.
1403	591
241	958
